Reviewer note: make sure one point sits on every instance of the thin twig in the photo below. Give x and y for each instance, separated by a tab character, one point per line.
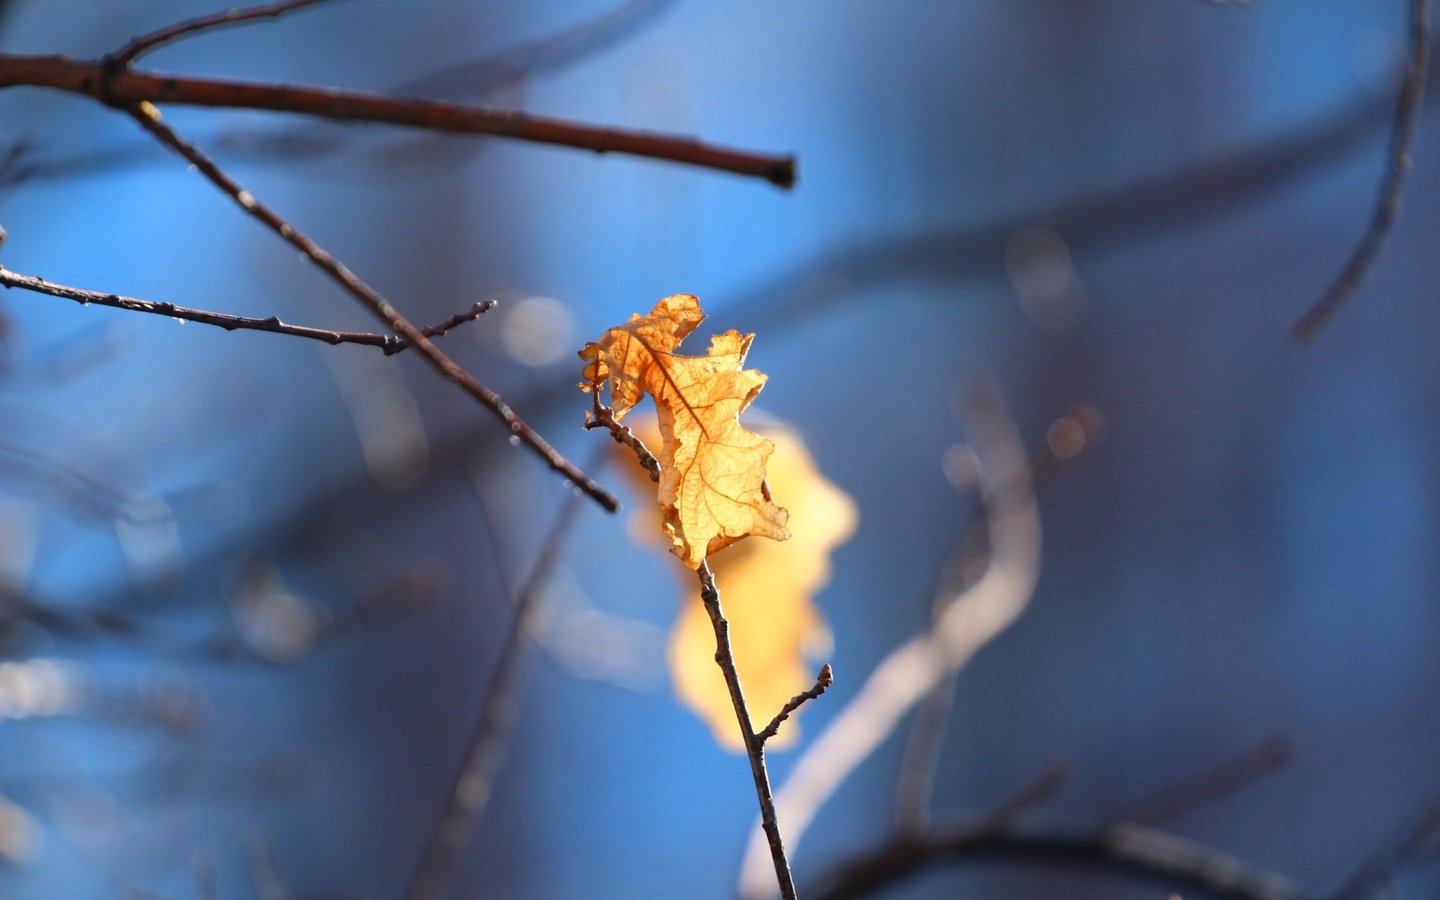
822	684
1397	167
754	747
725	658
1213	783
604	417
156	39
1047	784
1156	856
149	119
1375	873
970	621
471	788
388	343
118	86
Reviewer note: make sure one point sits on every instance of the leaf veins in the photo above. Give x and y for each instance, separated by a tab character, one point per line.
712	479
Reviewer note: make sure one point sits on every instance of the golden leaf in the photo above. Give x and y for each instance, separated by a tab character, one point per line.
767	589
712	480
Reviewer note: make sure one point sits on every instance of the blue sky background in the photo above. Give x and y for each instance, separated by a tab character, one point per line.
1248	551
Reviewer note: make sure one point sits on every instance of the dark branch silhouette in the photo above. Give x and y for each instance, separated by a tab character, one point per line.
388	343
471	788
822	684
149	118
154	40
1397	167
1155	856
125	88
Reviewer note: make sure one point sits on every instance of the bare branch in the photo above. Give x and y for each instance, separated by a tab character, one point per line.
388	343
1047	784
156	39
1209	785
604	417
149	119
822	684
471	789
1409	839
725	658
970	621
124	88
1398	163
1154	855
754	747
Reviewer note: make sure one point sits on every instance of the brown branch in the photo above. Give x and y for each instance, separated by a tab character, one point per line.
119	86
149	118
1047	784
1398	164
1154	855
822	684
471	787
725	659
388	343
754	747
1209	785
604	417
156	39
1375	873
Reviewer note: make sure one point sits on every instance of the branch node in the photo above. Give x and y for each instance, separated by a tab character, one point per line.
822	684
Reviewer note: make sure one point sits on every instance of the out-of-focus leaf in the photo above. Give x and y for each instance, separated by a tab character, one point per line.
767	590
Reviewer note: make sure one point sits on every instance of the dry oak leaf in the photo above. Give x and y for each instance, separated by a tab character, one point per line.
712	477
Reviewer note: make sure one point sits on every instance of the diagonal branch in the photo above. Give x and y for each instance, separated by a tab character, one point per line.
1398	164
485	751
149	118
388	343
145	43
822	684
119	86
1408	840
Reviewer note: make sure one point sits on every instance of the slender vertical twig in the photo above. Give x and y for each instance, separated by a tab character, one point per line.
1397	167
754	746
149	118
471	788
604	417
970	620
